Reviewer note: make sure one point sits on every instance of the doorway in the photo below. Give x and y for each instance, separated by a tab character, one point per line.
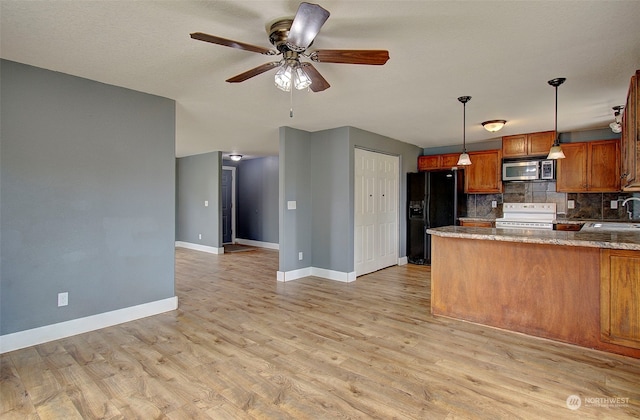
228	189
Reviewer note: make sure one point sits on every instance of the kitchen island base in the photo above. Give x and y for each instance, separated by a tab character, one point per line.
544	290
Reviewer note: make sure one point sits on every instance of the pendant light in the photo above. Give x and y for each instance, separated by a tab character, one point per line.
464	157
556	151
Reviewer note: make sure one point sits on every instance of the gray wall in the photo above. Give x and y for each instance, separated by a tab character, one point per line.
257	199
87	197
295	185
317	170
198	180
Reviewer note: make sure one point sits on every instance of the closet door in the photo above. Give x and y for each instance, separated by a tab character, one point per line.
376	211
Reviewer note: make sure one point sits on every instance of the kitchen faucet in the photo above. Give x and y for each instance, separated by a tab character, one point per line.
624	203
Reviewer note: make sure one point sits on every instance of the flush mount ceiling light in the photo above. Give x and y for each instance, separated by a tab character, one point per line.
235	158
616	125
464	159
494	125
556	151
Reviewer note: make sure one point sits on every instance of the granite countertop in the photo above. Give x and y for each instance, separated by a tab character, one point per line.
611	240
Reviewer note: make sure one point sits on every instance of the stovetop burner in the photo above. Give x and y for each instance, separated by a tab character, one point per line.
527	216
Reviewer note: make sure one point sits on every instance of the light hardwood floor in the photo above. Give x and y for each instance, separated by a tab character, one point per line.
242	345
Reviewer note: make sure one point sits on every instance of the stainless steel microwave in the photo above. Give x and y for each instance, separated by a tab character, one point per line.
528	170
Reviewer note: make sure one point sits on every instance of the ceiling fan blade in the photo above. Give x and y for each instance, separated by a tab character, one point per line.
306	26
253	72
230	43
373	57
318	83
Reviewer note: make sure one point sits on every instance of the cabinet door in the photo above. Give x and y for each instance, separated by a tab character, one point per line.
514	146
572	171
476	223
604	166
620	297
630	137
450	160
426	163
540	143
484	174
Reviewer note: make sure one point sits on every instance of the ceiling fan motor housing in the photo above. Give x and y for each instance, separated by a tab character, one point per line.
279	34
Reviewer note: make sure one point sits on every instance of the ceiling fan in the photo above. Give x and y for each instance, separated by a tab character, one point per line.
291	38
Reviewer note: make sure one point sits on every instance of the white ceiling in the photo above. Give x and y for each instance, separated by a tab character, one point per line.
499	52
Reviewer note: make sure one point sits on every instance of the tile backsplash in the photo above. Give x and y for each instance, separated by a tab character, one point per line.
587	206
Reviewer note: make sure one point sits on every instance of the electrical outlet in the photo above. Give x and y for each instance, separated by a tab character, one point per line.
199	235
63	299
614	204
300	256
206	203
494	204
571	204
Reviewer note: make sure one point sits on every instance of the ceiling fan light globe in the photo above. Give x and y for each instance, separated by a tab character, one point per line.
283	78
302	79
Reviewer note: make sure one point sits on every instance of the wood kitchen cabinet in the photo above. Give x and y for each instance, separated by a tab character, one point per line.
523	145
589	167
484	175
476	223
620	297
433	162
630	137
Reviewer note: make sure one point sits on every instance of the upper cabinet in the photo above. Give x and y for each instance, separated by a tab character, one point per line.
432	162
630	137
523	145
589	167
484	175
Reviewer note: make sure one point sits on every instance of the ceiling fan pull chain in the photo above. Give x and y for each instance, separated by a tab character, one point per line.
291	104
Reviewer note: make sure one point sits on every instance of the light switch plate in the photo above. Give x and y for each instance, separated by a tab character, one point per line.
206	203
63	299
291	205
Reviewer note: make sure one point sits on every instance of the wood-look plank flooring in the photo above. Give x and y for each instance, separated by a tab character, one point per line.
242	346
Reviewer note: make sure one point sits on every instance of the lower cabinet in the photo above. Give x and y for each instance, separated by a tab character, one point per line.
476	223
620	297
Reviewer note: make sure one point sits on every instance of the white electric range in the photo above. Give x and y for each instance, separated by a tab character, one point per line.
527	216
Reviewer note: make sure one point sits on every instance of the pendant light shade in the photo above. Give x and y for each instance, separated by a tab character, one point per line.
464	159
556	151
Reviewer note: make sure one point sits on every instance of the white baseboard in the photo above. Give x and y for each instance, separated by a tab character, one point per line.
259	244
32	337
198	247
316	272
403	261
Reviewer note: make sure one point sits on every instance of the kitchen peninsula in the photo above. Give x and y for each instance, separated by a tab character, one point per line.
581	288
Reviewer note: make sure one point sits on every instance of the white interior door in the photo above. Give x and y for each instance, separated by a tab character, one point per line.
376	211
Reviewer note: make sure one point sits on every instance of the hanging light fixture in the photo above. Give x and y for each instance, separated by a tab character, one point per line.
464	159
556	151
494	125
616	125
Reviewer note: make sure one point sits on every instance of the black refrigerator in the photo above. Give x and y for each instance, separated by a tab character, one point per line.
435	198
